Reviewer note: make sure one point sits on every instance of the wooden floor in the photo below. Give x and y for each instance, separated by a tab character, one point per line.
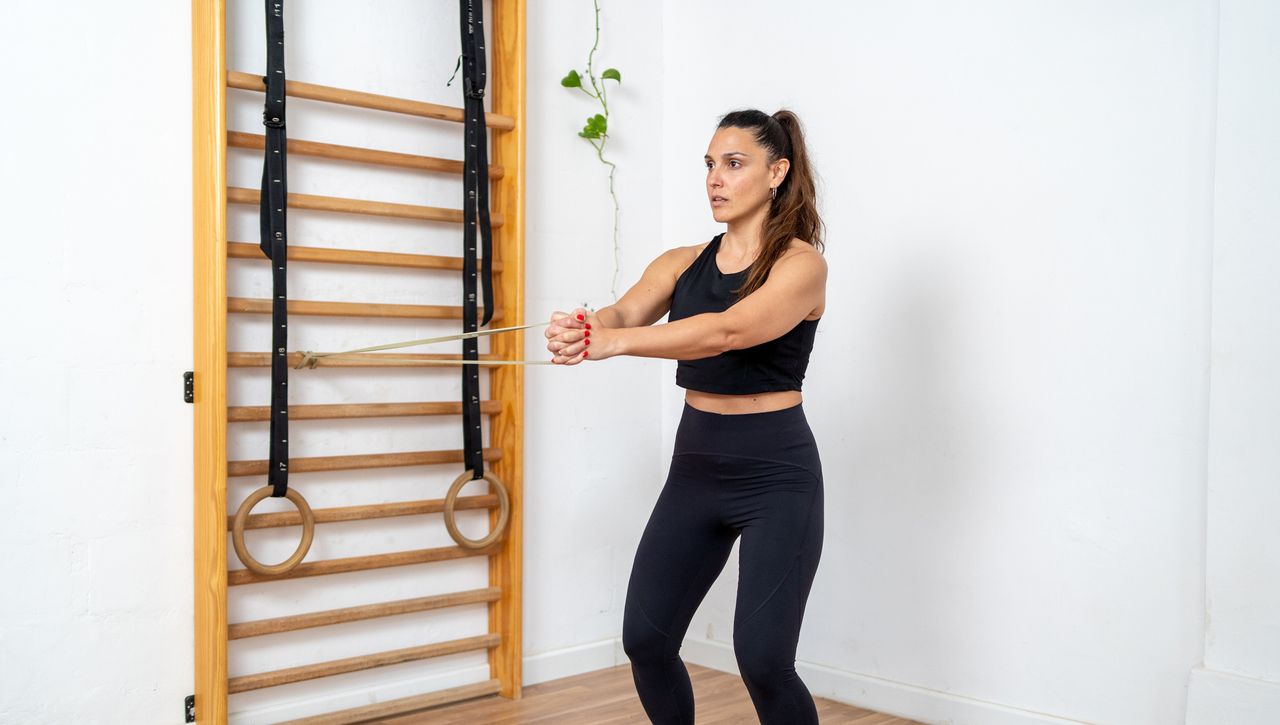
608	697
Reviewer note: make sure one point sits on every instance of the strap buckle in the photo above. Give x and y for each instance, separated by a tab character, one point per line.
469	88
268	120
271	122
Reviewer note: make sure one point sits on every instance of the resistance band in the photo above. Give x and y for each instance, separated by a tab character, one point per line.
309	359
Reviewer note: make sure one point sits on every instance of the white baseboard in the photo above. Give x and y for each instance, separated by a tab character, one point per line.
1221	698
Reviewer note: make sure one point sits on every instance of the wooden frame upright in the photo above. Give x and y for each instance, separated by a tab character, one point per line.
210	362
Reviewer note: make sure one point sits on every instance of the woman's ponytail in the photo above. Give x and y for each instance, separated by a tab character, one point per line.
793	212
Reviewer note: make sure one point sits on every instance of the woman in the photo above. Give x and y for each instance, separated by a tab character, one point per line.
743	309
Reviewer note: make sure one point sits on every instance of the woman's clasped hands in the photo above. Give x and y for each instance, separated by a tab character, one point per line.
576	336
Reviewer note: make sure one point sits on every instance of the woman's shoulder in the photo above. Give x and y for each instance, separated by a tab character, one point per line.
692	251
680	258
799	248
802	245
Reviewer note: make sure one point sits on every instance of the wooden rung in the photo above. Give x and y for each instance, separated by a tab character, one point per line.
239	195
262	306
236	577
382	710
369	511
249	413
275	625
244	250
361	99
275	678
350	463
357	153
359	360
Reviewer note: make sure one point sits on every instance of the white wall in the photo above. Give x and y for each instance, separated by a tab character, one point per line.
1011	388
591	430
1009	385
1240	679
95	446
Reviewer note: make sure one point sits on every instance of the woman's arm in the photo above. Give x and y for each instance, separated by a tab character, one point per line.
611	316
649	298
642	305
796	285
688	338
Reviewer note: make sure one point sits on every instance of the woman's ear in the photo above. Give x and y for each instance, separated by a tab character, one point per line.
780	168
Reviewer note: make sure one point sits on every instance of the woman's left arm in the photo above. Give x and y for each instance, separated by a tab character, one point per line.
794	288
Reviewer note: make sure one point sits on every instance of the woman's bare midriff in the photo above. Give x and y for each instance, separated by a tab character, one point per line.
739	404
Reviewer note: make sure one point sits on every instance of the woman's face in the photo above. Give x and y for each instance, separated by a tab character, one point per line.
739	174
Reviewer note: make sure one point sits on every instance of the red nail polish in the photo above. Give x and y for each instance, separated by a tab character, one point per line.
588	325
584	353
586	340
580	317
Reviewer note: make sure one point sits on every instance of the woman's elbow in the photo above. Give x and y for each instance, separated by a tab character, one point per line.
728	338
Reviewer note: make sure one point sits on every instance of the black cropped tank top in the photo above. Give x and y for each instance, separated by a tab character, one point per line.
778	364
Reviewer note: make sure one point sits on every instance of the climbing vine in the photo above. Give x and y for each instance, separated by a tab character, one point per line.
596	129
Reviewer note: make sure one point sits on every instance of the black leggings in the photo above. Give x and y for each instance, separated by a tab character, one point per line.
756	475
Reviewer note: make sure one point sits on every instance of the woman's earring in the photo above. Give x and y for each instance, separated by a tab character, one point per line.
773	192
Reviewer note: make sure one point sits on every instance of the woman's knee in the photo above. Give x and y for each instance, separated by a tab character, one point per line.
642	641
761	659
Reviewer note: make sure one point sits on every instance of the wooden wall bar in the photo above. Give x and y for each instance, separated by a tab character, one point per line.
505	454
298	147
361	99
239	195
507	80
209	218
323	255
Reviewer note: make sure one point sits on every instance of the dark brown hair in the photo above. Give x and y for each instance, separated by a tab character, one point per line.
794	211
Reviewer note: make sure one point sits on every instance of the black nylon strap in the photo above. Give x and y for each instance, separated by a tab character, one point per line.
274	243
475	204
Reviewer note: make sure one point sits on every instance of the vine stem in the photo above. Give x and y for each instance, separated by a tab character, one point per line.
601	95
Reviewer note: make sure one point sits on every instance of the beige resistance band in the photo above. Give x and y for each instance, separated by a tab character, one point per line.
309	359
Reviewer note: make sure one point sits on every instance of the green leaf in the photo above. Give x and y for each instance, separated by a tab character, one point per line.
597	125
612	73
573	80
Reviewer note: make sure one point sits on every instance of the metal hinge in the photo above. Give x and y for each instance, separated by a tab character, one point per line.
189	395
190	702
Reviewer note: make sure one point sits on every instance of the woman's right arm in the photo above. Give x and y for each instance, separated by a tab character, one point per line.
650	298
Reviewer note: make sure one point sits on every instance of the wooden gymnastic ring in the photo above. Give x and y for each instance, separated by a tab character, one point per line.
237	532
504	510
